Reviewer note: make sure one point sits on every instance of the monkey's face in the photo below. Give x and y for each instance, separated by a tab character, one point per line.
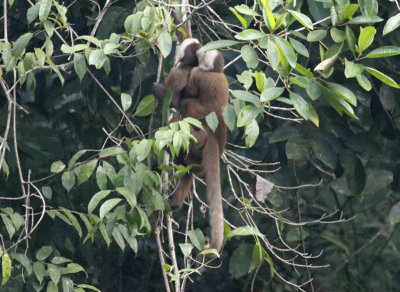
186	52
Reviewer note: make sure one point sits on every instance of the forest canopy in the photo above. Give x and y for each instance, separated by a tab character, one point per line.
309	175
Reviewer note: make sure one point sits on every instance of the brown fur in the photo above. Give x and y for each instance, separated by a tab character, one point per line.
178	78
207	91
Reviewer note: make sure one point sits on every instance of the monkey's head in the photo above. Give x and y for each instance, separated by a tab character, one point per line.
211	61
186	52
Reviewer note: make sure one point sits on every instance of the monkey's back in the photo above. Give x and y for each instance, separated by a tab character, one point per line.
176	81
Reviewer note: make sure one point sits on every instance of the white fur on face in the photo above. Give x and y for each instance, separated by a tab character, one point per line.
180	50
206	60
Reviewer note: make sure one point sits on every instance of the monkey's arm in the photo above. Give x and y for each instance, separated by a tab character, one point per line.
159	91
191	107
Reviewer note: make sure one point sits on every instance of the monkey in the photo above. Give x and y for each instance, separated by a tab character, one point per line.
206	91
185	60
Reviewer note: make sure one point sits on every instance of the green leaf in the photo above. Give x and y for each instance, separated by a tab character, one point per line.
249	55
146	106
111	151
86	286
261	80
246	96
242	20
186	249
101	178
324	152
273	54
304	71
349	11
70	50
80	65
44	252
5	267
9	225
60	260
228	114
246	10
392	23
316	35
90	39
305	109
21	43
247	114
148	16
73	220
352	69
57	167
240	261
269	19
17	220
216	45
299	47
110	171
197	238
382	77
337	35
368	7
271	93
73	268
85	171
110	48
249	35
51	287
343	92
142	149
394	214
244	231
97	58
365	20
212	121
54	273
386	51
350	38
55	69
95	200
44	9
129	195
251	132
302	18
366	38
33	12
287	49
300	81
39	270
24	261
68	180
164	41
126	101
132	23
75	158
364	82
107	206
67	284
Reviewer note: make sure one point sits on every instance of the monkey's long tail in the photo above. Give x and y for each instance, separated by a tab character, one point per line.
211	168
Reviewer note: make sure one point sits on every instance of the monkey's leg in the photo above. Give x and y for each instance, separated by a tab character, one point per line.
211	169
181	191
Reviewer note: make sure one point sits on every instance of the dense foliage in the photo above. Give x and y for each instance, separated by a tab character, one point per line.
310	175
